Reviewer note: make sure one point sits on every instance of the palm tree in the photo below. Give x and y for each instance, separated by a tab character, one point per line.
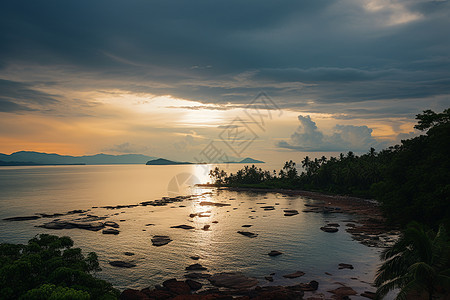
417	262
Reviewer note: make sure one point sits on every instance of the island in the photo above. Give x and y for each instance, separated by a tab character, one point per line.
166	162
247	160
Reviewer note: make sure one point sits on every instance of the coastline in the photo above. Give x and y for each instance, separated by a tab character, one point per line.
360	208
370	227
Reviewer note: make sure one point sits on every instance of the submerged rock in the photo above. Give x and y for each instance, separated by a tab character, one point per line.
294	275
187	227
248	234
234	280
111	224
305	287
345	266
196	267
160	240
122	264
110	231
177	287
208	203
194	285
290	212
343	291
78	223
269	207
329	229
24	218
130	294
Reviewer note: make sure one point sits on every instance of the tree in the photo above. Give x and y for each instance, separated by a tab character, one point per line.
430	119
49	268
417	262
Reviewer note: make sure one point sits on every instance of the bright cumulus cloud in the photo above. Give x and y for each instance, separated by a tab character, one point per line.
308	137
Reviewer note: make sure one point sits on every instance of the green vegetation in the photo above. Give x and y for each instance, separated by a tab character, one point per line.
411	180
49	268
419	262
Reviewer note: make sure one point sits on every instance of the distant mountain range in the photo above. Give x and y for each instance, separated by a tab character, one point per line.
39	158
31	158
165	162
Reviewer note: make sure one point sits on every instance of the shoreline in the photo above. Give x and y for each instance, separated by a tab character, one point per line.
373	231
367	230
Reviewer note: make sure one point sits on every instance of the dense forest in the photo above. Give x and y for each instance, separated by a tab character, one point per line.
411	180
49	268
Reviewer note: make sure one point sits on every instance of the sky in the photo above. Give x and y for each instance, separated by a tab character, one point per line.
198	80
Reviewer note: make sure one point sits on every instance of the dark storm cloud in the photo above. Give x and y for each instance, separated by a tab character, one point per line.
326	52
18	96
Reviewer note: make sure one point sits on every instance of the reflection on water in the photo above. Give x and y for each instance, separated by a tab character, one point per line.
305	247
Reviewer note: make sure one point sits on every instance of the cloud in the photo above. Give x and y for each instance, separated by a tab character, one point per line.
19	96
8	106
127	148
316	55
308	137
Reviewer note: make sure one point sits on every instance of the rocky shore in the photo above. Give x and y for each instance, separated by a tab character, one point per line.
228	286
369	227
366	225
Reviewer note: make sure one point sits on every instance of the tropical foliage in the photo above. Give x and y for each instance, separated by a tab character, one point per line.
410	180
419	262
49	268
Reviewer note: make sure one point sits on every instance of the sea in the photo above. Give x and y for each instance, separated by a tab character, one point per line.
26	191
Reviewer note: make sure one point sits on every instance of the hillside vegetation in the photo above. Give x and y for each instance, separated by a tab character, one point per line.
411	180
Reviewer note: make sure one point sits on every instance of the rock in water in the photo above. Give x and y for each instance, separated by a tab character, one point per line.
25	218
294	275
111	224
345	266
274	253
183	227
110	231
177	287
160	240
208	203
290	212
329	229
196	267
235	280
194	285
122	264
249	234
343	291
